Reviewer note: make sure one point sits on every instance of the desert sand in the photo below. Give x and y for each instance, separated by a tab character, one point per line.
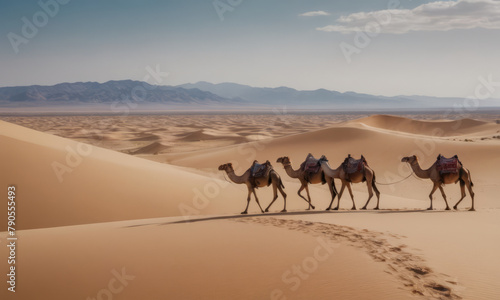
134	208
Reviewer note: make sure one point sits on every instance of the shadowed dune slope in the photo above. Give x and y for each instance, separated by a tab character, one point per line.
94	184
152	148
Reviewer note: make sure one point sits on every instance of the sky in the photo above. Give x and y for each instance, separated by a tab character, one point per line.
388	47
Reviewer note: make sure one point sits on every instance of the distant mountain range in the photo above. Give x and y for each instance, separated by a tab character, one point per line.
323	98
108	92
204	94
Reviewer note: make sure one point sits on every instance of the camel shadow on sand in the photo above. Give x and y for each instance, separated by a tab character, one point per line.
294	213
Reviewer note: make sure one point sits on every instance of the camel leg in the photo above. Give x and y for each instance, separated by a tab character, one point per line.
444	197
469	187
309	197
370	193
462	191
340	196
434	188
248	201
257	200
352	196
298	193
284	197
275	196
377	193
333	192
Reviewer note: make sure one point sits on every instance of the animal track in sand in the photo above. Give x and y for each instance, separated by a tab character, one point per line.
409	269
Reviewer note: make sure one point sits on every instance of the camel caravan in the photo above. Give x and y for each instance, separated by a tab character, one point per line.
316	171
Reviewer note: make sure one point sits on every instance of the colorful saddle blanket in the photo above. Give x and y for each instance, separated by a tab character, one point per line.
260	170
352	165
448	165
311	165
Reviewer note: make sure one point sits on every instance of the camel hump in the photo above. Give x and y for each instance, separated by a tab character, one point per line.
311	164
448	165
260	170
352	165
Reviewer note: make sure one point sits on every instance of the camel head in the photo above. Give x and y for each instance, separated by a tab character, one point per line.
283	160
409	159
226	167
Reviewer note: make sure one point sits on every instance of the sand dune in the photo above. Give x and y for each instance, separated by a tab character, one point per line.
108	211
433	128
382	149
197	136
462	245
203	260
204	135
146	137
129	176
153	148
409	269
94	184
181	133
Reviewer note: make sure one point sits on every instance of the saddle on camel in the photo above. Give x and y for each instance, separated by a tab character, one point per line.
351	165
450	165
311	166
259	171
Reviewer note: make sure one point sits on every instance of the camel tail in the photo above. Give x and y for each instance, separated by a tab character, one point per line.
462	182
281	184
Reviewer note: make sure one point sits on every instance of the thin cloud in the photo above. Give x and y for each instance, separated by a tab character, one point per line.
434	16
314	13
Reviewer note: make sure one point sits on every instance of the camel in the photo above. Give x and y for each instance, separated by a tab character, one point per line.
305	179
365	174
439	180
271	177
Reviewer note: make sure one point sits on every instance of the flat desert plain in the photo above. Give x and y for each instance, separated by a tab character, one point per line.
135	207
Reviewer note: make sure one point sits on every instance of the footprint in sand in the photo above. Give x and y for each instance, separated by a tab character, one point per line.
405	266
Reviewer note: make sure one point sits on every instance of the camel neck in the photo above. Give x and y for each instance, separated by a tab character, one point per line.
290	171
235	178
415	166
